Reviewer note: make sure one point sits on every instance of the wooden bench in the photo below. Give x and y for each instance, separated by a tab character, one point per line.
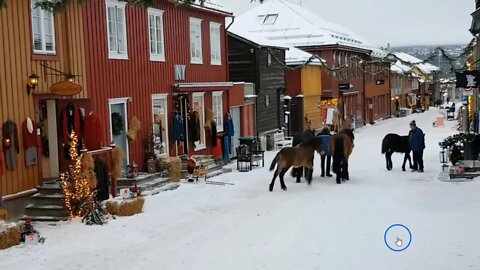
248	157
280	141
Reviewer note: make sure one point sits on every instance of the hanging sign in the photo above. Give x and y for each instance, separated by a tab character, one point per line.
468	79
66	88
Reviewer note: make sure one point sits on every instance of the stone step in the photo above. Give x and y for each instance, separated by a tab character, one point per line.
167	187
46	210
218	172
44	218
51	199
148	185
50	189
143	177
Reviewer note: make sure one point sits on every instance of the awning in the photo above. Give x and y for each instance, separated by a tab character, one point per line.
348	92
205	86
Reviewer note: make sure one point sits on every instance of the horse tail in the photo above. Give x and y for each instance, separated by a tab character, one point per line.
337	154
274	161
384	145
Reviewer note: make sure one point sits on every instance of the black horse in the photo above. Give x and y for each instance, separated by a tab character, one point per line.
395	143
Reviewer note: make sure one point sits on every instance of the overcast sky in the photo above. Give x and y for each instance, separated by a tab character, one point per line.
398	22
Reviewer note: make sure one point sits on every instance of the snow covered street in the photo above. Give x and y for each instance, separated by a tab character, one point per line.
322	226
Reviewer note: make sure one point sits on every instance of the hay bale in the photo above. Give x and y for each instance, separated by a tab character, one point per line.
175	169
10	235
126	207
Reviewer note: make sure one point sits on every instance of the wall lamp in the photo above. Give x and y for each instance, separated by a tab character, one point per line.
32	83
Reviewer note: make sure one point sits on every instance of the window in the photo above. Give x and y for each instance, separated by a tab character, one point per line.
217	101
198	108
196	41
267	101
215	49
269	59
270	19
117	30
155	30
43	30
160	125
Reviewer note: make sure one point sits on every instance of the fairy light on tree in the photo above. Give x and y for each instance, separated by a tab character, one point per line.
79	198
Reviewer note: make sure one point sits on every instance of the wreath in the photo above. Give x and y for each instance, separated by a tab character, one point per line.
117	124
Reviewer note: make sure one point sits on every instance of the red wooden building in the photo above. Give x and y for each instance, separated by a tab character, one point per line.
152	63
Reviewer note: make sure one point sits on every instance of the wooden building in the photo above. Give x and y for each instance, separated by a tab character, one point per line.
255	60
151	63
304	87
377	92
51	46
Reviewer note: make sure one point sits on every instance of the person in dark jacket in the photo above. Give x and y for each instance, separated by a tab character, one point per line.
324	135
417	144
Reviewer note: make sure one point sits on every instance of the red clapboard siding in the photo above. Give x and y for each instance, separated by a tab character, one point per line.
138	77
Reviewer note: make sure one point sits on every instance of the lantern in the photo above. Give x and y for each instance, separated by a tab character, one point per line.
444	159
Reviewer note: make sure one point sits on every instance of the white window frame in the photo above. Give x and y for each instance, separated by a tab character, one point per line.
43	27
164	99
201	96
122	6
215	44
155	56
196	41
218	96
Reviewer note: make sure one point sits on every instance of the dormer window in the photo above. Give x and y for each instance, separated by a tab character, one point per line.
267	19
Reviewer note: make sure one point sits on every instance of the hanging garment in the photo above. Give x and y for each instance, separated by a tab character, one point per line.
101	172
217	150
178	128
44	138
214	133
195	125
30	141
10	144
71	122
2	169
228	125
226	148
92	132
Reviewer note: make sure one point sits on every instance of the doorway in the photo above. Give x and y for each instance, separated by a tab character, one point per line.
119	126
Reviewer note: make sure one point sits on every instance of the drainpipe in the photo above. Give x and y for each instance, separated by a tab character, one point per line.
227	68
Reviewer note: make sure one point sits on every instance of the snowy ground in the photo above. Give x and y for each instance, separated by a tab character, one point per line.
322	226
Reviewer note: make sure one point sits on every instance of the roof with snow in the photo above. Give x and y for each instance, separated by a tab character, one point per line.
294	25
400	68
293	56
215	6
423	67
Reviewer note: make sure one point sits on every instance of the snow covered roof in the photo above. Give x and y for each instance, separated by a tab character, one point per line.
294	25
293	56
423	67
214	5
400	68
298	57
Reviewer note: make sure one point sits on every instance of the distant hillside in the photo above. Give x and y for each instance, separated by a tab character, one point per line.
423	52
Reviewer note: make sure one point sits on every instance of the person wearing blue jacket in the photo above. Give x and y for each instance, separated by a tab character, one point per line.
324	135
417	144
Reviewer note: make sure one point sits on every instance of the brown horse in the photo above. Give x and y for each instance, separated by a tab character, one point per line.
299	156
341	145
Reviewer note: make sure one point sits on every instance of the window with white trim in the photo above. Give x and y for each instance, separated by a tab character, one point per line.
198	107
215	48
116	30
160	125
217	102
196	41
43	30
156	37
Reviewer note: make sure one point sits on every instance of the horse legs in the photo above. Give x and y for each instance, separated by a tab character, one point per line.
388	157
405	157
282	183
275	174
345	170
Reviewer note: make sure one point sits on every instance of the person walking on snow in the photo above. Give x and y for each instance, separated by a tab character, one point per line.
416	138
324	135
